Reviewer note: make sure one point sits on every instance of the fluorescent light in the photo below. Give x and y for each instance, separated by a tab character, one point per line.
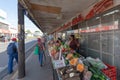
112	12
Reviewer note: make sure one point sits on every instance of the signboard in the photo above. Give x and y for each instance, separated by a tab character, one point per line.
58	63
77	19
102	28
97	8
102	6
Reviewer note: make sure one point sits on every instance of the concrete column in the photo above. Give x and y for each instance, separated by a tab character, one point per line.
21	42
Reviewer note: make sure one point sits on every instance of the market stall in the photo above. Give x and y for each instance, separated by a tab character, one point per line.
70	65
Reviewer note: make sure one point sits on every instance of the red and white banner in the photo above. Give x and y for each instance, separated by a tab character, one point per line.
102	6
101	28
77	19
97	8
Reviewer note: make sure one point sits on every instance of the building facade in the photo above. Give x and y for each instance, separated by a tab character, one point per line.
6	30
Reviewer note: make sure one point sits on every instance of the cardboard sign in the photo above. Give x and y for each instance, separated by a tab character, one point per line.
58	63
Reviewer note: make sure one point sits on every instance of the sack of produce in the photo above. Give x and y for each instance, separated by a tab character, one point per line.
96	63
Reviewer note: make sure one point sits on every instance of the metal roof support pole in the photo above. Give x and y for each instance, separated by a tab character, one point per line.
21	42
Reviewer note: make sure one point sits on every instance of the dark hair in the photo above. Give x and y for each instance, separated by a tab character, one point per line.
57	41
60	39
73	36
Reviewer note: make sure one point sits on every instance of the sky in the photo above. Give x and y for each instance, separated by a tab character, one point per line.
10	7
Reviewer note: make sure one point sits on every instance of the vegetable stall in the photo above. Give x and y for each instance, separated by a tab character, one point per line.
70	65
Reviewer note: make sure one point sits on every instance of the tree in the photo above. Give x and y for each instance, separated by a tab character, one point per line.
28	31
37	31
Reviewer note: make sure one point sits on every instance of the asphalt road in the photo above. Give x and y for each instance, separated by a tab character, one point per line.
4	56
3	46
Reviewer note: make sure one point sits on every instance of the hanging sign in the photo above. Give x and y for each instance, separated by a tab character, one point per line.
102	6
77	19
99	7
90	14
102	28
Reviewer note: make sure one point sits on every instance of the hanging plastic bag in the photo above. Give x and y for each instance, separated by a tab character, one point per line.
36	50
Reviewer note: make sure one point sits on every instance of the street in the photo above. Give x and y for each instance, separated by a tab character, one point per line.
3	46
4	56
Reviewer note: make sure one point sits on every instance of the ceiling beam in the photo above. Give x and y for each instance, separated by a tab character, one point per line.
31	16
48	9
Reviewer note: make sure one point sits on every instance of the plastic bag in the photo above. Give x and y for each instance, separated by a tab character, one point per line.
36	50
96	63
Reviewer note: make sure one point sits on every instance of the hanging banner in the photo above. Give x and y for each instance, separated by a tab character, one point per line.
102	28
102	6
99	7
77	19
90	14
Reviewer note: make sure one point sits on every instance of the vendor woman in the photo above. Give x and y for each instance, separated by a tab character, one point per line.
74	44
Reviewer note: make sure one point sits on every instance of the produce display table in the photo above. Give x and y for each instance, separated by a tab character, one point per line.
69	65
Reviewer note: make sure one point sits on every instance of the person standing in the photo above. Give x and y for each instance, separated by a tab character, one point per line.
41	51
74	44
43	40
12	53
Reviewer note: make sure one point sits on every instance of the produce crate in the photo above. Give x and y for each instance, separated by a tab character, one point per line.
110	72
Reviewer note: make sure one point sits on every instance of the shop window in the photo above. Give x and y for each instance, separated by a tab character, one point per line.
117	43
94	21
107	42
107	18
117	18
94	41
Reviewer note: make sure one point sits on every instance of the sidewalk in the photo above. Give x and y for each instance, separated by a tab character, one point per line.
34	71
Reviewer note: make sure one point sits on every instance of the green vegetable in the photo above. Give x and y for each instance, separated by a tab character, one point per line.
92	70
66	62
76	55
64	55
97	74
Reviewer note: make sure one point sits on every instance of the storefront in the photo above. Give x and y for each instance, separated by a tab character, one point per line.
97	27
4	26
99	38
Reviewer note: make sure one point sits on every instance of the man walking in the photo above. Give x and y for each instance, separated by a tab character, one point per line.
12	53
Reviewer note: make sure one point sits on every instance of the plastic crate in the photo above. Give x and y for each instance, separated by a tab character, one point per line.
111	72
